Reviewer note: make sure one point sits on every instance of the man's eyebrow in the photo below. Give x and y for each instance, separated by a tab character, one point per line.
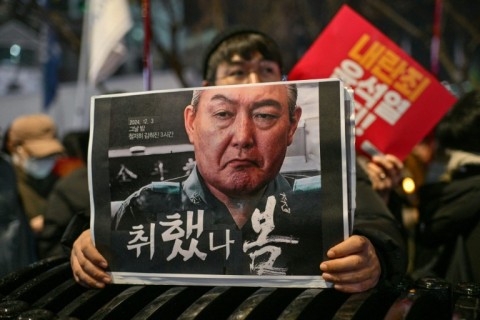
244	62
222	98
267	102
257	104
237	63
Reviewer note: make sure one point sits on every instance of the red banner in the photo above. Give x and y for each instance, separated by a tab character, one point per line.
397	102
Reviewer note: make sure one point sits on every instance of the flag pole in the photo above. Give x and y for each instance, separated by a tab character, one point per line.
435	45
81	113
147	59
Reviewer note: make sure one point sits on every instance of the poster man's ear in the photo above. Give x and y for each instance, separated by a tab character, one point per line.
189	117
297	114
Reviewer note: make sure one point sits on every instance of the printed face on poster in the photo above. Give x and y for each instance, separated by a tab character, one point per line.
397	102
220	185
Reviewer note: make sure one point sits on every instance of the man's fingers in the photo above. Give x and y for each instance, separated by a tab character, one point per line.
352	245
94	257
346	278
350	269
374	169
84	249
350	263
381	179
354	266
394	161
83	278
350	279
387	166
87	274
87	263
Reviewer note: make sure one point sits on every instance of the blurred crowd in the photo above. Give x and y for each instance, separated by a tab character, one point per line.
435	193
44	184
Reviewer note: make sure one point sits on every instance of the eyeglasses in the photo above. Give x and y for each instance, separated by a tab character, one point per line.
238	72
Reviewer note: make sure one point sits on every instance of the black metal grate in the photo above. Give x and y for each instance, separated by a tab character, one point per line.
46	290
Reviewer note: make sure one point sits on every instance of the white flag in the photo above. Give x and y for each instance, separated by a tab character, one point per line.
109	21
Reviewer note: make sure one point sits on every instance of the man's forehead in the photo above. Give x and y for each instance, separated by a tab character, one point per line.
254	57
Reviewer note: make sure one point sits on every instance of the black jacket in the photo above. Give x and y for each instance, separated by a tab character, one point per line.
374	221
17	244
69	197
449	227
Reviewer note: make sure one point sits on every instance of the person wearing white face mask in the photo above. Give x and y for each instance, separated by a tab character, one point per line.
32	143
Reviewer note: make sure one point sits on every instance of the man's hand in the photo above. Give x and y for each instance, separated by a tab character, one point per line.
88	265
354	265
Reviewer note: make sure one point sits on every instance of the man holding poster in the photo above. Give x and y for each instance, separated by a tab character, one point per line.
354	265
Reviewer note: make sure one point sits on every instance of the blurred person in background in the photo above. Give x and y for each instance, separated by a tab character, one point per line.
397	183
34	149
75	144
448	234
385	171
17	243
69	196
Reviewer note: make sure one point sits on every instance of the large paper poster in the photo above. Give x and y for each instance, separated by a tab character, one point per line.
397	102
222	185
